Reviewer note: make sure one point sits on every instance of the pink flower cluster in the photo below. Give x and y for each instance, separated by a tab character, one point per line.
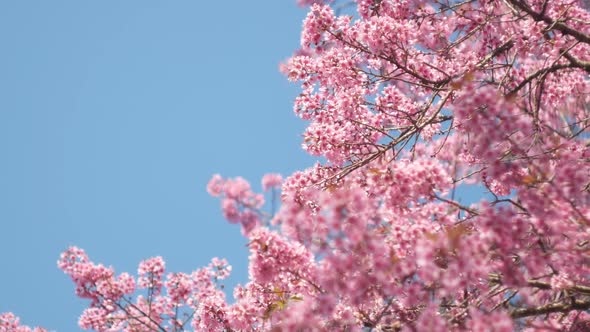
161	301
453	192
239	203
150	273
270	181
95	282
318	21
10	323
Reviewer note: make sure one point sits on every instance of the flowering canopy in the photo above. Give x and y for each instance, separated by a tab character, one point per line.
410	103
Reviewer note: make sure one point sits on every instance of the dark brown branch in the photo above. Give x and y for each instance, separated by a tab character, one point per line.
538	73
544	285
585	290
507	45
577	62
574	304
156	324
457	205
555	24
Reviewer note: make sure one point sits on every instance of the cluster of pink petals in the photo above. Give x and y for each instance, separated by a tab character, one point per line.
10	323
220	268
95	282
272	180
150	301
413	106
510	119
239	204
150	273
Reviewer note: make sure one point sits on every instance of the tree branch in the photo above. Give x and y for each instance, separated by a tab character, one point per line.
577	62
538	73
555	24
551	308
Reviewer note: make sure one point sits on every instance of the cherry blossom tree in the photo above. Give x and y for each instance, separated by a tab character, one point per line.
412	105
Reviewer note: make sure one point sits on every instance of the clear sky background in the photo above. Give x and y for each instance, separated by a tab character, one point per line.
113	117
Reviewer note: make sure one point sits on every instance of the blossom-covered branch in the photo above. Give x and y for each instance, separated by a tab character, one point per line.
452	193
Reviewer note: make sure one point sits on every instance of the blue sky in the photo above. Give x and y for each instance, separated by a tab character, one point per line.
113	117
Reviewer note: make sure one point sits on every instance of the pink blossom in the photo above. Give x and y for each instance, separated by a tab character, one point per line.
150	273
271	181
10	323
452	193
